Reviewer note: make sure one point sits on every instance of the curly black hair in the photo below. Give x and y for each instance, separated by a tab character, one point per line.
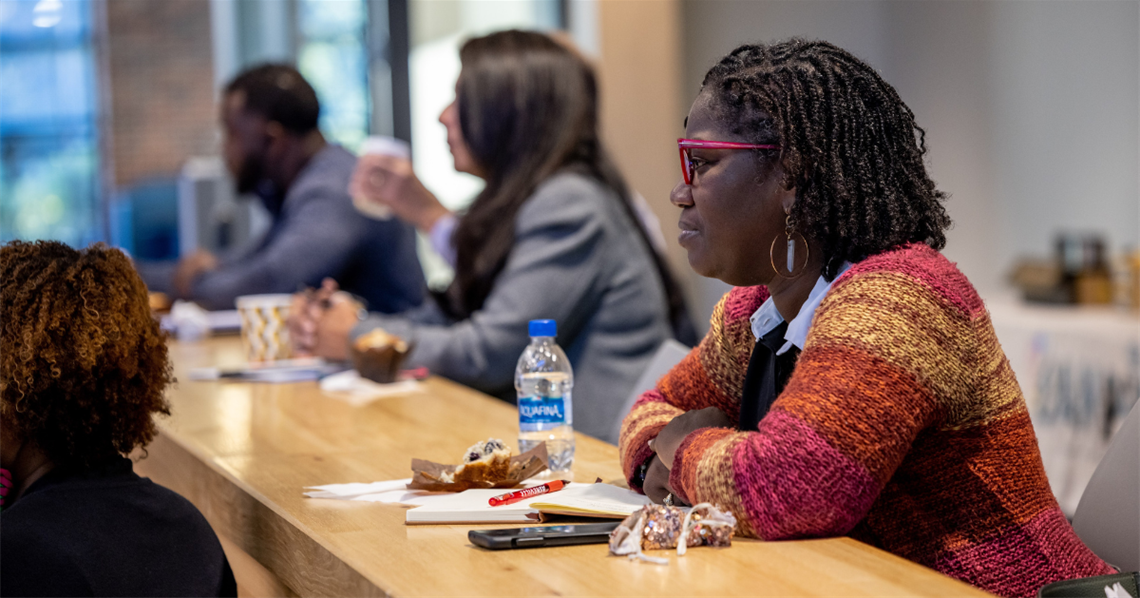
280	94
83	363
849	145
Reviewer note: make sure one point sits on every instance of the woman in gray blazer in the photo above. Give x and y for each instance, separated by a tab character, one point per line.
552	235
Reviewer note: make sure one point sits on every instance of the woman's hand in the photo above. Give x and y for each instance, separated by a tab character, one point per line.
390	181
320	320
671	436
337	320
305	315
656	485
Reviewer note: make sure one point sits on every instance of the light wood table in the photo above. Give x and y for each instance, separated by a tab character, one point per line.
242	453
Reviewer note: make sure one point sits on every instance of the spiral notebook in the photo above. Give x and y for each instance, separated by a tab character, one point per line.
598	501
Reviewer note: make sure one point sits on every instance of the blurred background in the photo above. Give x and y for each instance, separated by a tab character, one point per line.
109	132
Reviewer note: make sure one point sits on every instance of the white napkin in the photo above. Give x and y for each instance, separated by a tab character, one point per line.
350	386
190	322
391	491
355	488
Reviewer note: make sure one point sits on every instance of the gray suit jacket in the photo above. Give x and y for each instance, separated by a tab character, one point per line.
577	259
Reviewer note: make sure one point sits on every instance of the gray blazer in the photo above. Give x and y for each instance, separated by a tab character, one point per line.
577	259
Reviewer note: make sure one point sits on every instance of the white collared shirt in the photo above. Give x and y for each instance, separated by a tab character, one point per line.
768	317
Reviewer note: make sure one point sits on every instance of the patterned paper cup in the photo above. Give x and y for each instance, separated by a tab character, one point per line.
264	329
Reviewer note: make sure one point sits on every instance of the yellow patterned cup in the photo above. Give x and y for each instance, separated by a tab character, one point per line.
264	328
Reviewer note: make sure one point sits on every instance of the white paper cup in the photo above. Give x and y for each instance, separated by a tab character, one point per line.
382	146
264	326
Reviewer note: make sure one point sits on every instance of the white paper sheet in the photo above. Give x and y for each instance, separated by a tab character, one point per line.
355	488
357	391
389	491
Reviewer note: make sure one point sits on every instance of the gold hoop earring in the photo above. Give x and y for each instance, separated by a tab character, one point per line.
790	233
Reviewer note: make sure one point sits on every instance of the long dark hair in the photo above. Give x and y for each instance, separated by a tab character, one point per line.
528	108
850	146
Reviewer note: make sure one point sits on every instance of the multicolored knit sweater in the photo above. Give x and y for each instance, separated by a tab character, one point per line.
901	426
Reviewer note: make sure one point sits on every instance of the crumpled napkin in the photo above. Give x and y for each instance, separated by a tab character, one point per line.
190	322
350	386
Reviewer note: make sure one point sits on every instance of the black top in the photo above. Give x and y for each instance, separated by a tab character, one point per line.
766	377
108	532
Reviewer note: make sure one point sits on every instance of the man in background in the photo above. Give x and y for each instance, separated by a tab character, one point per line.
273	149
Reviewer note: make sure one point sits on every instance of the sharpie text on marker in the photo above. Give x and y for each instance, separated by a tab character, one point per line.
513	497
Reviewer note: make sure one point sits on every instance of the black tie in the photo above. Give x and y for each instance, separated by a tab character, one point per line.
767	374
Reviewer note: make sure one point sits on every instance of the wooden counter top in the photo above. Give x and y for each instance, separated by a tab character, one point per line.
242	452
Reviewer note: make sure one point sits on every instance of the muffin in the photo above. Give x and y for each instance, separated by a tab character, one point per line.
484	462
378	355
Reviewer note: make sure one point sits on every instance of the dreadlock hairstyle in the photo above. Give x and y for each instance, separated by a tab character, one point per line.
849	146
528	108
83	364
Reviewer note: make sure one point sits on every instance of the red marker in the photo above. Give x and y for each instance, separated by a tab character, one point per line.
513	497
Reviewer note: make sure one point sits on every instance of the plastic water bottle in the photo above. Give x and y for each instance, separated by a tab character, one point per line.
544	379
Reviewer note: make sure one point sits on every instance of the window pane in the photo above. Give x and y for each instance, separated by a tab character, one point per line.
48	191
331	18
44	21
48	136
333	57
56	89
336	69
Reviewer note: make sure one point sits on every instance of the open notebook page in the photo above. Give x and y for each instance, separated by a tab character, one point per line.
586	500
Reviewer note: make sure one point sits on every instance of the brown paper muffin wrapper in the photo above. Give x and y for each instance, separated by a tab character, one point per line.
426	474
379	364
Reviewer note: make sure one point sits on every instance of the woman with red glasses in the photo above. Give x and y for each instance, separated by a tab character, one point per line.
852	383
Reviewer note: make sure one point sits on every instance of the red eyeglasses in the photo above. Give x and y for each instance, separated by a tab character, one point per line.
687	168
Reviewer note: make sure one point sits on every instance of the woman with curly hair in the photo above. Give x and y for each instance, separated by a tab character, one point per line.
852	383
83	369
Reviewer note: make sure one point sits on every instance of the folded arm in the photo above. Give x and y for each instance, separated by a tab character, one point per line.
711	375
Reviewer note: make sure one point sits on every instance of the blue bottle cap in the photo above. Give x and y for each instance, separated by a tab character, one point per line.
543	328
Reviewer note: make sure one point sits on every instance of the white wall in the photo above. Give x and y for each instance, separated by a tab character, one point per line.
1064	80
1031	108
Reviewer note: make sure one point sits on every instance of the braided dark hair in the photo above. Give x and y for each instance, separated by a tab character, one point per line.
849	145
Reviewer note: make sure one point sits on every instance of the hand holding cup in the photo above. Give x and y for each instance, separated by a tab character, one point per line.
384	182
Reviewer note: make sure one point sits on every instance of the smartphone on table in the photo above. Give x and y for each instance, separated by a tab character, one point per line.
535	537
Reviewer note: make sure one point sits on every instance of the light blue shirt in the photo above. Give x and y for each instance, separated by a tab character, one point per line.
768	317
440	237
